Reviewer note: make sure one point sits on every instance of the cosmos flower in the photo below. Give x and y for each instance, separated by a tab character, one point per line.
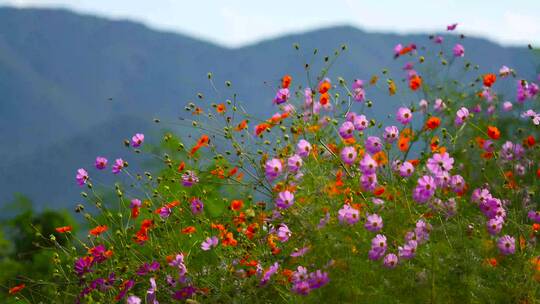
137	140
506	245
391	134
373	223
346	130
119	164
458	50
440	162
461	116
284	200
273	168
81	177
390	261
404	115
348	214
101	162
209	243
406	169
373	144
197	206
348	155
189	179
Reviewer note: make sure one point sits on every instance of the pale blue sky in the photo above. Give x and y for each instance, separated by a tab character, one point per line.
240	22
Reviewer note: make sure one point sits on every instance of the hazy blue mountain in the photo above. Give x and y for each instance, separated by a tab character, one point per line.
74	86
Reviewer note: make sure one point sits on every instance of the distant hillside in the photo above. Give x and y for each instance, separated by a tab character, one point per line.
74	86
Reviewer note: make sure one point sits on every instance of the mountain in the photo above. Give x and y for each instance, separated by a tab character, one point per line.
74	86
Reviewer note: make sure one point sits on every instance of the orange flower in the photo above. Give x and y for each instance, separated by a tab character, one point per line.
98	230
403	144
237	205
189	230
324	87
529	141
415	82
16	289
261	128
63	229
414	162
203	141
241	126
489	79
286	81
381	158
220	108
493	132
324	99
379	190
181	167
433	123
228	239
492	262
373	80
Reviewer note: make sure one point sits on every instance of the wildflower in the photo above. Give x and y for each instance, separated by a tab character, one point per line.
461	116
433	123
324	86
318	279
63	229
16	289
458	50
507	107
489	79
151	292
237	205
133	300
82	176
391	134
360	122
303	148
101	162
408	250
346	130
286	81
493	132
137	140
348	155
358	91
535	117
221	108
98	230
201	142
282	96
505	71
301	287
506	245
439	105
390	261
368	181
534	216
415	82
197	206
457	183
378	247
273	168
299	252
119	164
374	223
438	39
406	169
189	179
147	268
423	105
368	165
440	162
424	189
348	215
495	225
184	293
283	233
284	200
209	243
373	144
269	273
451	27
404	115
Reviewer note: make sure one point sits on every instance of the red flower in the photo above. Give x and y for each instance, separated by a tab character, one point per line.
63	229
16	289
237	205
493	132
415	82
98	230
286	81
324	87
433	123
489	79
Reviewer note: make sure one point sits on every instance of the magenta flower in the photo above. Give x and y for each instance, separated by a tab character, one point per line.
300	252
301	288
425	189
346	130
451	27
283	233
439	105
269	273
184	293
406	169
458	50
439	39
360	122
359	94
282	96
197	206
534	216
404	115
408	250
461	116
294	163
165	212
506	245
368	181
137	140
348	155
119	164
101	162
135	203
422	231
440	163
308	96
423	105
273	168
318	279
373	144
81	177
373	223
209	243
368	165
284	200
378	247
495	225
151	292
397	49
507	106
390	261
189	179
348	214
391	134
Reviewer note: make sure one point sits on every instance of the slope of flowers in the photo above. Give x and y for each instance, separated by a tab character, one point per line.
321	202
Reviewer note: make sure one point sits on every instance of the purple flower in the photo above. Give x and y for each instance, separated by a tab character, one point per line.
360	122
461	116
209	243
126	286
368	181
119	164
507	106
390	261
397	49
269	273
506	245
318	279
374	222
511	151
197	206
300	252
151	292
425	189
346	130
457	183
189	179
284	200
101	162
368	165
273	168
135	203
83	265
146	268
439	39
378	247
373	144
133	300
406	169
359	94
81	177
423	104
404	115
301	288
391	134
422	231
348	155
495	225
348	214
451	27
137	140
440	163
439	105
458	50
534	216
282	95
283	233
535	117
294	163
408	250
184	293
308	96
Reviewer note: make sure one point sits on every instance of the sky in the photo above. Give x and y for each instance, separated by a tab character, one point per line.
240	22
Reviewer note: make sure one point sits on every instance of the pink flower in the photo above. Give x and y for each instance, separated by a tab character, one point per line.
137	140
303	148
406	169
348	214
209	243
348	155
119	164
374	223
81	177
273	168
101	162
294	163
506	245
461	116
507	106
459	50
451	27
404	115
346	130
284	200
391	134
